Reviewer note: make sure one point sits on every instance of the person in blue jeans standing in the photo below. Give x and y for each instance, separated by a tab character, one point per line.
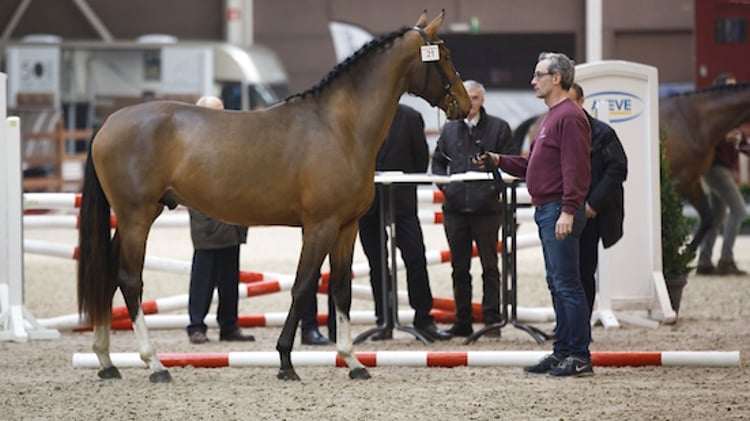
558	173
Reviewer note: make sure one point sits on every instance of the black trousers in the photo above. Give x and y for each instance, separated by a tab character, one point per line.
588	260
308	319
410	241
461	231
220	269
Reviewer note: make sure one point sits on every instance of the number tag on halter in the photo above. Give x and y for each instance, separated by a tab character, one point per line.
430	53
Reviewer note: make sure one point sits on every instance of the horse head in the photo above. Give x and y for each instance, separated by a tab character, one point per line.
433	76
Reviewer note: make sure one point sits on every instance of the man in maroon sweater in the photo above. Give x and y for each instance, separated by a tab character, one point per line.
557	173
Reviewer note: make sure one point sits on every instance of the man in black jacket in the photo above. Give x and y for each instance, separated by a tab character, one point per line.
404	149
472	210
604	201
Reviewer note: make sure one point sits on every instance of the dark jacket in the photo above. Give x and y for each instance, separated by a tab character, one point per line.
609	169
209	234
453	155
404	149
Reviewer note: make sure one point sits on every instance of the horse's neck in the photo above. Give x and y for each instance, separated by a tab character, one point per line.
371	96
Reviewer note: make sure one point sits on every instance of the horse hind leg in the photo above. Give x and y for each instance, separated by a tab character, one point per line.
102	332
130	279
101	349
341	288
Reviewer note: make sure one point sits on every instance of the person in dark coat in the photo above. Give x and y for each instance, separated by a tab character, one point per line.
472	210
216	264
404	149
605	210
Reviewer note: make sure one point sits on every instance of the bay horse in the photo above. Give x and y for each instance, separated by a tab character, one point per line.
307	162
691	126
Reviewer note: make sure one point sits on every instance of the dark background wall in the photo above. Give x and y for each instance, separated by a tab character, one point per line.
512	32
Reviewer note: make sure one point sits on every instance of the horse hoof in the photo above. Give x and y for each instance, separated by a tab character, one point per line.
109	373
360	373
160	377
287	374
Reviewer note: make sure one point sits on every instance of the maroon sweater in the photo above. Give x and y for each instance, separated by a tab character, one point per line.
559	164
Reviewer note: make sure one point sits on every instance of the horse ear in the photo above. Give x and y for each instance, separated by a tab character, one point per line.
434	26
422	21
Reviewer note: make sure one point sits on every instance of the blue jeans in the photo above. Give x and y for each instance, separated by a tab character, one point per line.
573	329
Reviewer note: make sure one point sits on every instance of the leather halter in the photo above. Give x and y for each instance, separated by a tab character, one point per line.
447	83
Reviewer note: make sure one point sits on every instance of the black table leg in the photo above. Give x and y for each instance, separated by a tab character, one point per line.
389	281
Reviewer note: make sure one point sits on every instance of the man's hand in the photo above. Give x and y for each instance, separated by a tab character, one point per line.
590	212
564	225
479	159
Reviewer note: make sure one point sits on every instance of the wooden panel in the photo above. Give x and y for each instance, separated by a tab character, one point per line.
670	52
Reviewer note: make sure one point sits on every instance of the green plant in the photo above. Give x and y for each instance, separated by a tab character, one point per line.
675	227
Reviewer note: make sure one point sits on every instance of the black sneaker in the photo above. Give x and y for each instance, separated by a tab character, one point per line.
544	365
573	367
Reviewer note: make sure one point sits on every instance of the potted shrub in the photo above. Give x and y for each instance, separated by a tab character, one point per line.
676	230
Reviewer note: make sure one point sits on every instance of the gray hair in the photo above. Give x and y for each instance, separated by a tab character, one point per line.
562	64
473	84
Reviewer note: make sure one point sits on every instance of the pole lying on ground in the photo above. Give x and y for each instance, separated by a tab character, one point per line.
416	359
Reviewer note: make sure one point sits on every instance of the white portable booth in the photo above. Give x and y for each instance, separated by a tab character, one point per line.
631	284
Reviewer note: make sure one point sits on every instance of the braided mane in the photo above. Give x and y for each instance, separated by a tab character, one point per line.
341	68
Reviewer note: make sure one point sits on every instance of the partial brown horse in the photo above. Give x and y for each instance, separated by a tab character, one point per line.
308	162
691	125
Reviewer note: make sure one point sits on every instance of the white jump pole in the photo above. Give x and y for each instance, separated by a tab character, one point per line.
16	323
177	219
272	282
415	359
436	196
269	319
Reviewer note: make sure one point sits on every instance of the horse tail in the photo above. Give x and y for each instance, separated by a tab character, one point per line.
96	262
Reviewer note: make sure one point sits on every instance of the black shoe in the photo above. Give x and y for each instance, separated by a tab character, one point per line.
198	338
461	330
547	363
431	331
383	335
314	337
708	269
573	367
236	336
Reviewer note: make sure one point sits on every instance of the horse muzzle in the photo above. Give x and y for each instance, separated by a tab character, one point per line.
453	110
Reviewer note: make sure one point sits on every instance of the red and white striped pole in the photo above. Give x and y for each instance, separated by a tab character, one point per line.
270	319
416	359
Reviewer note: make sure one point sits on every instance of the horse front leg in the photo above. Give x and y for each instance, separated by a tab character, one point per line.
341	287
316	243
286	338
